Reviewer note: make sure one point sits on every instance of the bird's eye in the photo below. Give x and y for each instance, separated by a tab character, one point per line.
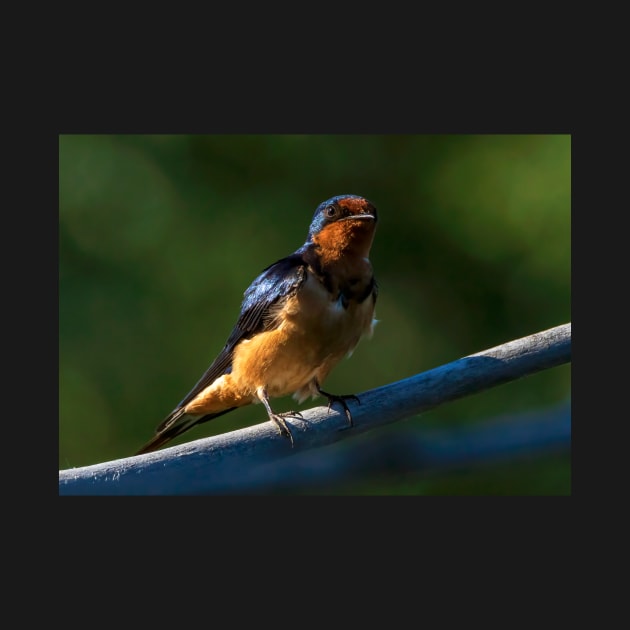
330	211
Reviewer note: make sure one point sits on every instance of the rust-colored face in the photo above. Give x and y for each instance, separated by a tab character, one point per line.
344	225
351	205
341	208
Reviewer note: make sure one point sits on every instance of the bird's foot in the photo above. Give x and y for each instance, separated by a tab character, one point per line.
279	419
291	414
341	399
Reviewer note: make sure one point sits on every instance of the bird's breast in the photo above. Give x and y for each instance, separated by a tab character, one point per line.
309	333
335	311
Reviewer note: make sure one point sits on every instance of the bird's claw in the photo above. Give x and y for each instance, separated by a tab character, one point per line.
341	399
279	419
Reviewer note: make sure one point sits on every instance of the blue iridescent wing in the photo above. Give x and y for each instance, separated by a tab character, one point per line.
274	284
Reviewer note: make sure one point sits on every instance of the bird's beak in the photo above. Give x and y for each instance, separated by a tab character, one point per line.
358	216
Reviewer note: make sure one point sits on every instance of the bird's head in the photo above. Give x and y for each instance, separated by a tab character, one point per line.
344	223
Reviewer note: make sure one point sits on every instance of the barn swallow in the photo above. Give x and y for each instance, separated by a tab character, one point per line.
298	319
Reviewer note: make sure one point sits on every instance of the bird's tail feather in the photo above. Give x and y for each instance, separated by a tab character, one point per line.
175	424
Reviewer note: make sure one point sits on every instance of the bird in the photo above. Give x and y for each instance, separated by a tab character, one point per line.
298	319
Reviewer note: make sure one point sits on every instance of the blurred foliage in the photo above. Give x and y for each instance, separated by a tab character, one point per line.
159	235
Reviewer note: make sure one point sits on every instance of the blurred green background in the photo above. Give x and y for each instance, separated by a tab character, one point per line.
159	236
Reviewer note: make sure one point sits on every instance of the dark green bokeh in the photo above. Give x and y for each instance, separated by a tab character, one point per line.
160	236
